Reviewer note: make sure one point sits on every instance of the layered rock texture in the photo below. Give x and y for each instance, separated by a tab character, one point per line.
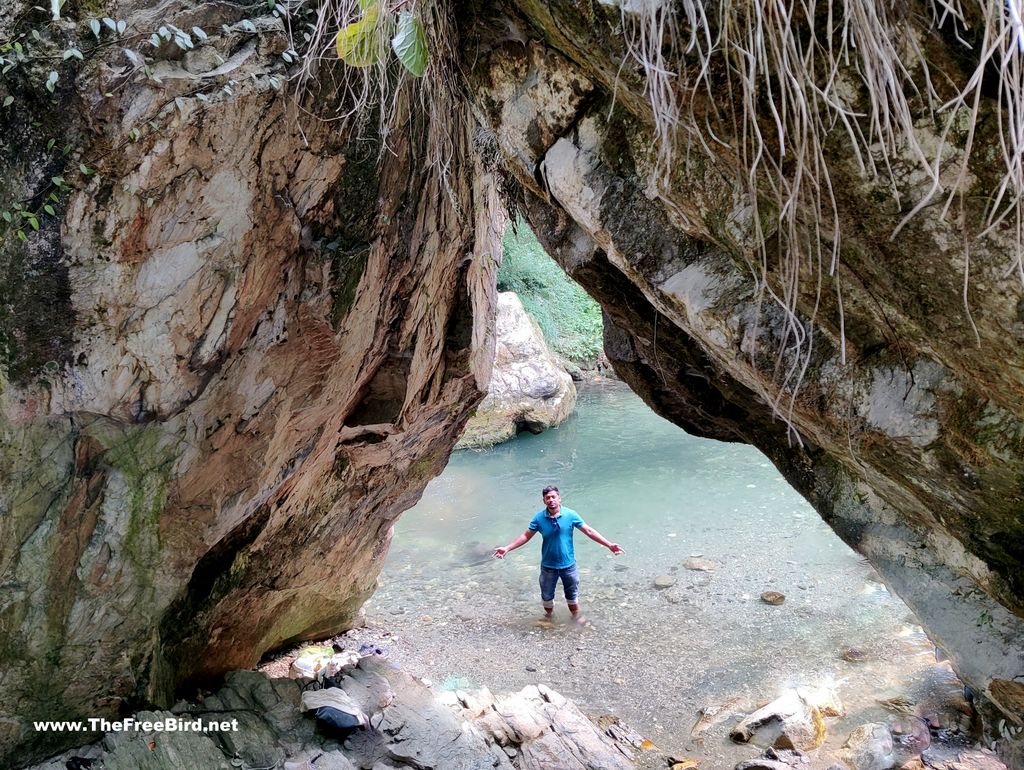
529	390
410	727
243	349
890	405
248	336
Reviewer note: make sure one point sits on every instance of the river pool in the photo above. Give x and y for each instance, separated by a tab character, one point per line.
654	657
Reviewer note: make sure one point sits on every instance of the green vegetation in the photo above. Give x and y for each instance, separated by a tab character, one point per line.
363	43
569	318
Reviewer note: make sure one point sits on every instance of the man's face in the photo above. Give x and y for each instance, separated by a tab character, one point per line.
552	502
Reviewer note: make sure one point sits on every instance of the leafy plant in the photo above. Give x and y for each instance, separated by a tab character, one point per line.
364	42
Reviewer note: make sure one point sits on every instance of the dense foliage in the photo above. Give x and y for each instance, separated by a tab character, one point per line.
569	318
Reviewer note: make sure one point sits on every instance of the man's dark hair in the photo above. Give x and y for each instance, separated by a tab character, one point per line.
551	488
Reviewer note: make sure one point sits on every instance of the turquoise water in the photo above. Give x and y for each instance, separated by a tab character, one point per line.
654	657
635	477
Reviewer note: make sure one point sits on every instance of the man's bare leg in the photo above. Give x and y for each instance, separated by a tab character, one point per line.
574	610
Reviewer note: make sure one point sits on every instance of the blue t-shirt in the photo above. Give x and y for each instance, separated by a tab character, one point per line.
556	551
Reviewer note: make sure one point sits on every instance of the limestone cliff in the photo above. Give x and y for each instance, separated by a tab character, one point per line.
240	349
903	427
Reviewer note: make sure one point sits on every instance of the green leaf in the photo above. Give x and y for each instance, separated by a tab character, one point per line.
94	25
361	44
110	23
7	216
50	143
21	234
410	43
49	210
365	5
33	223
8	101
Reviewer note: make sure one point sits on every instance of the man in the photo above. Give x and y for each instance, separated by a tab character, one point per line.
558	560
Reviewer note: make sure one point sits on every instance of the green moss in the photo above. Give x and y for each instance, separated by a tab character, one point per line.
145	457
346	271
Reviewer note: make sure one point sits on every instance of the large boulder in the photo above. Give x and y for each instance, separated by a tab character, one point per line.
529	390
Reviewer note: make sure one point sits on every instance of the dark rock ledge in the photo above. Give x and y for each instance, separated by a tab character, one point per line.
411	726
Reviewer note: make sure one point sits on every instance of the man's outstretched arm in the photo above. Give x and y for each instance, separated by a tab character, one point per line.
597	537
499	553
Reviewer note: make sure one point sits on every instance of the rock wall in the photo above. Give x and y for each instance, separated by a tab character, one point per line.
247	337
219	387
905	431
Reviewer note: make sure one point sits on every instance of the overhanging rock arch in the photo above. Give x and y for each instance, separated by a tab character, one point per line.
903	428
244	346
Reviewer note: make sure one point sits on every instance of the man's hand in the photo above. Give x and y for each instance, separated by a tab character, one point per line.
616	549
499	553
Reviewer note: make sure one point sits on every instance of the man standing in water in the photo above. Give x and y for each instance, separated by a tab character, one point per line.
557	560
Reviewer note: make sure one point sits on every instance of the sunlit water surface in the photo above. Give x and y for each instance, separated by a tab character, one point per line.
653	656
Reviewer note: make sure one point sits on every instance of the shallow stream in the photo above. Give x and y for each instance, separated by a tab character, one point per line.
654	657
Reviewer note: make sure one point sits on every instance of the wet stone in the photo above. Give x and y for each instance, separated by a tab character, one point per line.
700	564
773	597
853	654
664	581
869	747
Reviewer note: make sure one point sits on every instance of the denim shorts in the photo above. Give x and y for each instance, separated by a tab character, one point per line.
570	583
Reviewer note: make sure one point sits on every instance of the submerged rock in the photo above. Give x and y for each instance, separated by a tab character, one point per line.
869	747
700	564
773	597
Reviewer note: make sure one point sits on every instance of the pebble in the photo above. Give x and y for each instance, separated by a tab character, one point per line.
853	654
532	669
664	581
773	597
700	564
